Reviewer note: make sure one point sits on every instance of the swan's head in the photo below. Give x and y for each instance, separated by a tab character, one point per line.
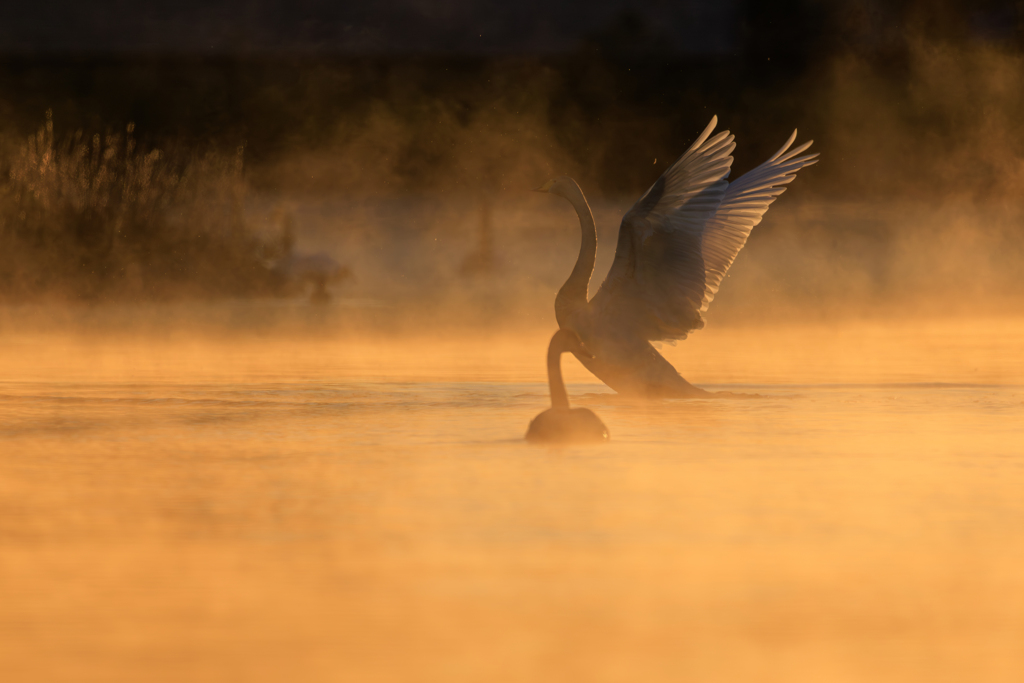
563	186
567	340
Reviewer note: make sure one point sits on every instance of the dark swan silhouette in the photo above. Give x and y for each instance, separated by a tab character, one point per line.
560	423
675	246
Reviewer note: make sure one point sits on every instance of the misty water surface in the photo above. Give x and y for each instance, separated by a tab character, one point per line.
364	508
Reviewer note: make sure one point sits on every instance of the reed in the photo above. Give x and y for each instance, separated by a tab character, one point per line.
90	217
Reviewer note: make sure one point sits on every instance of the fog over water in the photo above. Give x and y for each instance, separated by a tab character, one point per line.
181	507
209	471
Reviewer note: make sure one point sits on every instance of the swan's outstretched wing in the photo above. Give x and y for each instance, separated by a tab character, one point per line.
656	283
744	204
677	242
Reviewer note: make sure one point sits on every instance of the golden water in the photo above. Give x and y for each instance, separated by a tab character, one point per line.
364	509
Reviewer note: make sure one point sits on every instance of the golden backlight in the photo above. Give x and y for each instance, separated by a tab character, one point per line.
206	478
362	507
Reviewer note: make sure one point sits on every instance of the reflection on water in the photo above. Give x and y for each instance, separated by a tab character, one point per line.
345	510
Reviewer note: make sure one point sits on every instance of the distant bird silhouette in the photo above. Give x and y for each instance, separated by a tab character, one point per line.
317	268
560	423
675	246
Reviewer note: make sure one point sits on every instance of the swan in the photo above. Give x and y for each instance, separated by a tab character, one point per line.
675	246
560	423
318	268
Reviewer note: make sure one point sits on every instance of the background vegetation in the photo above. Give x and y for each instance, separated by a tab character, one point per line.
136	186
91	216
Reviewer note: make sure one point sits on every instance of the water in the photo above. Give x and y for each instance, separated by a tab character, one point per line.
352	509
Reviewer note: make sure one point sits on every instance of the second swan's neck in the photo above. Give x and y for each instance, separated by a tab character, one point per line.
559	399
574	293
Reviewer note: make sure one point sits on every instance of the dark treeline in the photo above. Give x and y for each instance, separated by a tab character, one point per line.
618	100
137	184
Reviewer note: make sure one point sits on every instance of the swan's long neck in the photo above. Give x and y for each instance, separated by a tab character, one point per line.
559	399
574	293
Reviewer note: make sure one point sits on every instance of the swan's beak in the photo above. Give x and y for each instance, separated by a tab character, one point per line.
585	352
546	187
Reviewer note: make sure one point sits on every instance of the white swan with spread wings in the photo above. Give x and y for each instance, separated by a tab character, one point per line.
675	246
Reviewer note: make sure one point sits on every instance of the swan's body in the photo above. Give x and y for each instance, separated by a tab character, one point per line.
560	423
675	246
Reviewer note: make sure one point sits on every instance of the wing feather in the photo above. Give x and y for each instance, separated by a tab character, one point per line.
679	239
656	282
742	208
